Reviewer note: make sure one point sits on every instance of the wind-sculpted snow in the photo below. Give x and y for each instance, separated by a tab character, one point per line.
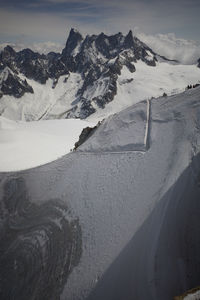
138	210
39	245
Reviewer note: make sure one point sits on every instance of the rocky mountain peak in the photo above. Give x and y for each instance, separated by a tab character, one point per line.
12	84
72	42
29	54
10	50
129	41
7	53
97	59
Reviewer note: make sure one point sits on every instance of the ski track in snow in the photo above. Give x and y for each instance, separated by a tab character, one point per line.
147	133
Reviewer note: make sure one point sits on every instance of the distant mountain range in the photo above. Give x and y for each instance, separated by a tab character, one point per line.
89	69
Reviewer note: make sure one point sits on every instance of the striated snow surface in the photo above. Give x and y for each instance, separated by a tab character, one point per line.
135	206
138	210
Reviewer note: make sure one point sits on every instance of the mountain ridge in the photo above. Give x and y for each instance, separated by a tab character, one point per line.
97	60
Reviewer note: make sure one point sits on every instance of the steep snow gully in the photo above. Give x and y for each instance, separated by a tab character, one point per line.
124	226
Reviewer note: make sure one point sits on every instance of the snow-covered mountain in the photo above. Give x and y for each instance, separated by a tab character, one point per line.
117	219
11	84
97	75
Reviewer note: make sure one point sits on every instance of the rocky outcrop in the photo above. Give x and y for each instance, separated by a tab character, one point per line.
13	85
85	134
74	40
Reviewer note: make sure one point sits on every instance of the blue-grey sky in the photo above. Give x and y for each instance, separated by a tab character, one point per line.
42	20
28	21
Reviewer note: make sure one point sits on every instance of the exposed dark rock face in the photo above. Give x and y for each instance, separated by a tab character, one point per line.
125	81
73	41
38	67
39	245
11	84
7	58
198	63
97	58
85	134
33	65
86	108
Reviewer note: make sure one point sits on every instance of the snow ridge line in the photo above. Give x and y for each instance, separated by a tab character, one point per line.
146	138
106	152
147	130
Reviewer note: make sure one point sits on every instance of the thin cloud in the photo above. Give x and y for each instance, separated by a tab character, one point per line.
42	48
46	20
185	51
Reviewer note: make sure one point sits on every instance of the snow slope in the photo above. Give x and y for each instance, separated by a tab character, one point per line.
55	103
29	144
127	131
138	210
46	101
148	82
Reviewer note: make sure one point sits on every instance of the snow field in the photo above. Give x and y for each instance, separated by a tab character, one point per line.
148	82
26	145
54	103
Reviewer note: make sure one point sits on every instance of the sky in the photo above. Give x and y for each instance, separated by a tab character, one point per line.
165	24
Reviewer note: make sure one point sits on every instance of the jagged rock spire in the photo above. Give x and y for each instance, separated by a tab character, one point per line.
129	41
198	65
73	40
